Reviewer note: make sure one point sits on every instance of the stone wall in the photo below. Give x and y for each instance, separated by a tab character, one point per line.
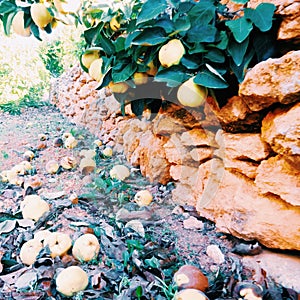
239	165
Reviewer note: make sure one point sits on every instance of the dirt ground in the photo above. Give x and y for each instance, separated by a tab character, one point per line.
93	203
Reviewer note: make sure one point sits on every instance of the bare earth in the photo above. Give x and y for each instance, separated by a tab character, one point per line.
168	243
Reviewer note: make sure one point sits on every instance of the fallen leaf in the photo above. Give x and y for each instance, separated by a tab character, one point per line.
7	226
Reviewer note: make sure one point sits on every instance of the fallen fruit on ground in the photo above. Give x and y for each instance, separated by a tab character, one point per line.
70	142
28	155
114	24
67	6
41	235
18	25
40	15
119	172
58	242
143	198
33	207
71	281
171	53
119	87
52	166
87	165
68	162
98	143
58	142
140	78
190	277
88	153
30	250
86	247
107	151
88	57
190	294
95	69
27	166
191	94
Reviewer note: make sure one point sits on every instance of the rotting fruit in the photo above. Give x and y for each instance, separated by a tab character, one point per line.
189	276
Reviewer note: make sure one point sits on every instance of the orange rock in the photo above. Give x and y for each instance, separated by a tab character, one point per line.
278	177
272	81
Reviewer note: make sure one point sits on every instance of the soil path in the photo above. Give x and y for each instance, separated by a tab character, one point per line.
93	203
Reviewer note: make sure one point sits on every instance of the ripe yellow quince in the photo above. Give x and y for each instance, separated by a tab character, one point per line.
88	57
119	87
18	25
114	24
95	69
140	78
40	15
171	53
191	94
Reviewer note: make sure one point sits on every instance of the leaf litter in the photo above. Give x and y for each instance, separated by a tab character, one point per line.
140	247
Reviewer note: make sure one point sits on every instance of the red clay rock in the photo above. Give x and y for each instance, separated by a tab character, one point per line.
272	81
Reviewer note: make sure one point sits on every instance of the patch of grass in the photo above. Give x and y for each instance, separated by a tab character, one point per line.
31	99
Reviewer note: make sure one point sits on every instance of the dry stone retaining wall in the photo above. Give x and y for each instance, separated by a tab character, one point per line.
239	165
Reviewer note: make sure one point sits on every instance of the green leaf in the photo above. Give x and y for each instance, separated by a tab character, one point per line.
181	24
151	9
215	55
90	35
150	37
210	80
238	50
190	62
7	21
202	34
240	28
152	262
139	292
239	71
123	71
166	24
202	13
222	44
35	31
120	43
173	76
138	107
197	48
262	16
105	43
7	7
130	38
